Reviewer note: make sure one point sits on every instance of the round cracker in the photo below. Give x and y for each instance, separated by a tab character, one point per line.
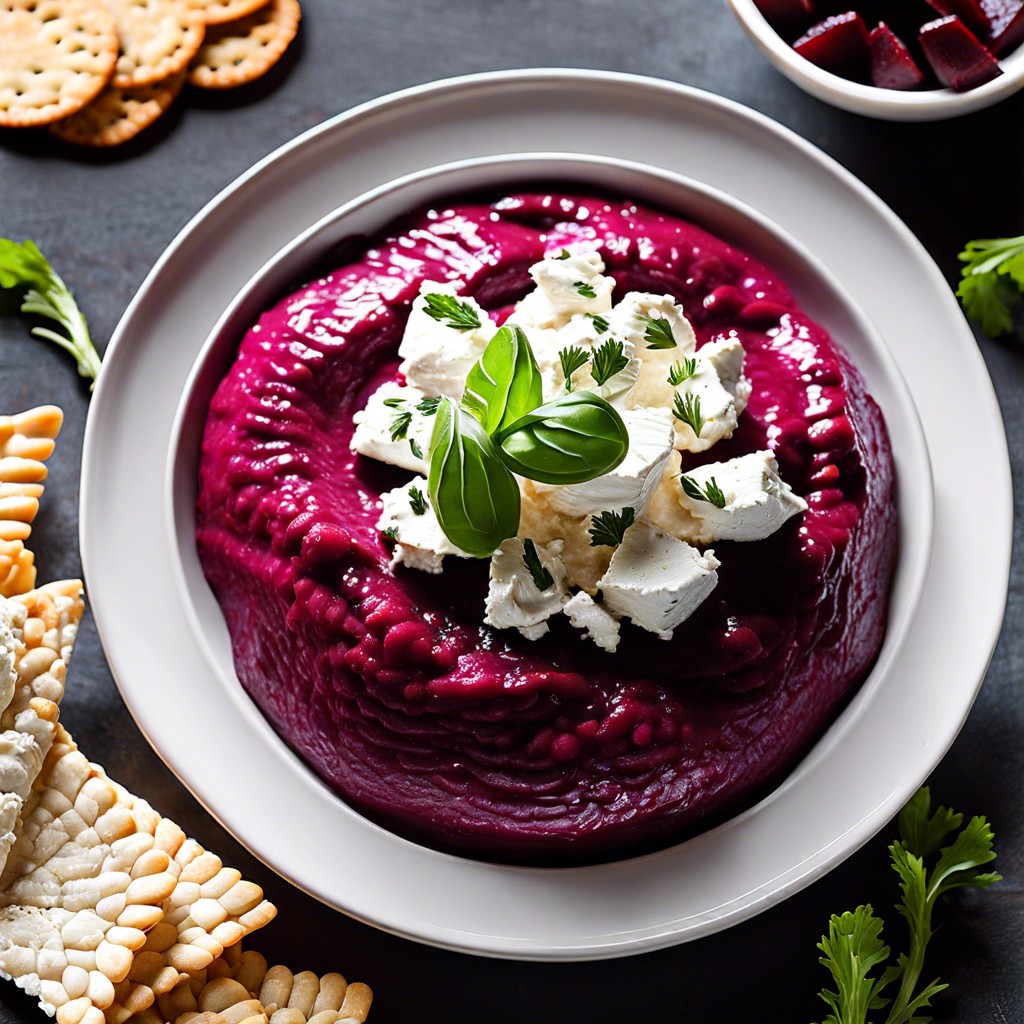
216	12
240	51
117	115
55	56
158	39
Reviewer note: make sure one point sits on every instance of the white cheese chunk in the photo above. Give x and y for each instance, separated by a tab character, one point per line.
420	541
757	500
657	580
565	288
375	423
435	356
599	625
8	671
634	480
513	599
717	391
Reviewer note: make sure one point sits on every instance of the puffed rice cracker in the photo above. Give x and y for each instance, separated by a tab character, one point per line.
55	56
117	115
26	441
240	52
216	12
158	38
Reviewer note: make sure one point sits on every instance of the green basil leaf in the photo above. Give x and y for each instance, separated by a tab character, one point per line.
474	496
569	440
505	382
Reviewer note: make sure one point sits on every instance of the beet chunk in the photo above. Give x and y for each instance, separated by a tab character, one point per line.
1006	24
786	14
968	11
838	44
892	66
957	58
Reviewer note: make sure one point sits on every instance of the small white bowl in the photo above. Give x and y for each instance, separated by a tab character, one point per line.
888	104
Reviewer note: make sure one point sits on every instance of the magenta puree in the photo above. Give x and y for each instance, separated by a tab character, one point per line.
479	741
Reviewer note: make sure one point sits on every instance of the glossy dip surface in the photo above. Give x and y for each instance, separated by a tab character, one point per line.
480	741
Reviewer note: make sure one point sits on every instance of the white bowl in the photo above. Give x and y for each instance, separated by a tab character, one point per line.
526	895
888	104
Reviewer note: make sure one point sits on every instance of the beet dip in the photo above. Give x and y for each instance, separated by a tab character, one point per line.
478	741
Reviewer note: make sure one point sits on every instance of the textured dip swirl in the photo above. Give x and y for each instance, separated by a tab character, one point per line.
478	741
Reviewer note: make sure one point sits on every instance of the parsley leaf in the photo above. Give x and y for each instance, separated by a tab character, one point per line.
601	325
992	281
542	579
428	406
24	266
658	333
585	289
682	369
607	528
417	501
608	360
414	447
400	422
572	359
852	949
447	309
688	410
391	533
712	492
394	403
563	255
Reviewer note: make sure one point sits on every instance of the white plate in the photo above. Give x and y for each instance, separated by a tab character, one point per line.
887	741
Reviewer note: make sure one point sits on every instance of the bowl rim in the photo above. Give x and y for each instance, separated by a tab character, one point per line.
311	243
870	100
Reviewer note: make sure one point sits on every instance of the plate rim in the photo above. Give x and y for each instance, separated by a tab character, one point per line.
438	92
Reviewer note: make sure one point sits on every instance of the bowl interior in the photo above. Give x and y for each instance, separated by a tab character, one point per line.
818	292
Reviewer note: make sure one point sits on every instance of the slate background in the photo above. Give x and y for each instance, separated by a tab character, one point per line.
104	218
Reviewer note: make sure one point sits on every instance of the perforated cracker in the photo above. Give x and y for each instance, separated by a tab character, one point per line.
240	52
117	115
158	38
55	56
216	12
26	441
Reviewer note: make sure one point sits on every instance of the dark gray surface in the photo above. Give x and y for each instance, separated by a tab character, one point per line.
105	218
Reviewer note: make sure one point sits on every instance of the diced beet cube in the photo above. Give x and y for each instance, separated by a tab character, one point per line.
957	58
968	11
892	67
1006	24
838	44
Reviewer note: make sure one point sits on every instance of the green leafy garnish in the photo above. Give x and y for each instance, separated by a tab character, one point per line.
475	497
992	282
428	406
681	370
853	948
448	310
24	266
607	528
569	440
585	289
400	422
687	409
391	532
417	502
563	255
504	383
571	359
712	492
658	333
542	579
608	361
601	325
414	447
394	403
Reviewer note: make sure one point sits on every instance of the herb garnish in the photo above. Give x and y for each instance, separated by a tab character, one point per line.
688	410
853	948
992	282
400	422
542	579
608	361
414	447
572	359
391	532
585	289
447	309
712	492
428	406
659	332
24	266
601	325
682	370
563	255
607	528
417	502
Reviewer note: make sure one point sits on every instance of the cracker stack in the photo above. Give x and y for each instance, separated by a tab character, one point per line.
108	912
98	72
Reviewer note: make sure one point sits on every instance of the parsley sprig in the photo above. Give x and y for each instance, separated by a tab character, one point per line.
712	492
682	369
853	949
607	528
448	310
417	501
658	333
24	266
992	282
585	289
687	409
608	360
400	422
542	579
572	359
601	324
